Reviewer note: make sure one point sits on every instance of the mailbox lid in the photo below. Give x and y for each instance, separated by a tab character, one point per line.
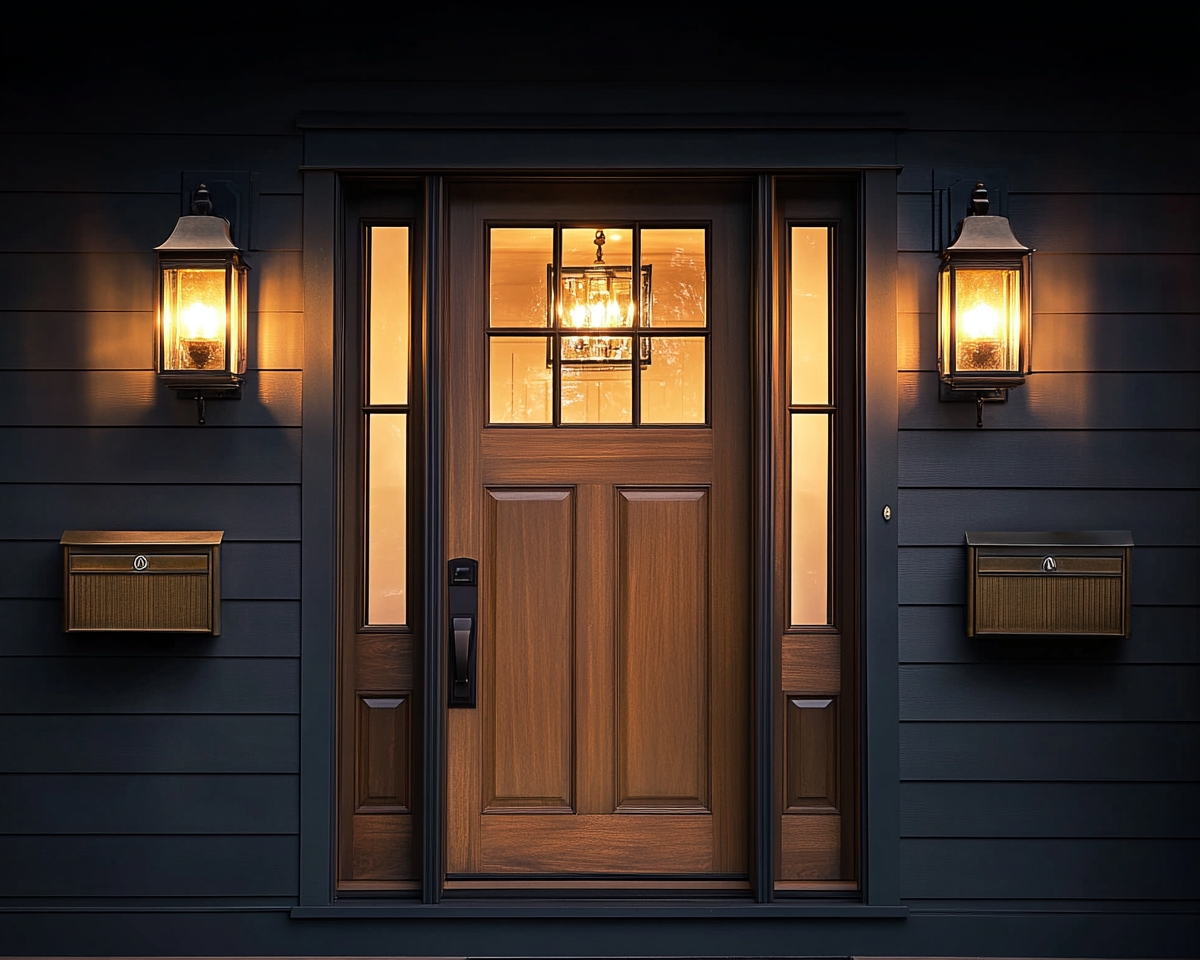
142	538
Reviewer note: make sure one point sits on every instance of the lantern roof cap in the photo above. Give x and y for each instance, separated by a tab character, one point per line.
202	232
986	234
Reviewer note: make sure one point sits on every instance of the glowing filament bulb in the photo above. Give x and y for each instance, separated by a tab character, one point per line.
613	313
200	321
981	322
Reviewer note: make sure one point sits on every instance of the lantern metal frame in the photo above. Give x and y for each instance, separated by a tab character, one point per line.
202	241
984	242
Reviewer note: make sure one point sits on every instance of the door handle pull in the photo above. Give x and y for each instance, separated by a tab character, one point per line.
462	647
462	603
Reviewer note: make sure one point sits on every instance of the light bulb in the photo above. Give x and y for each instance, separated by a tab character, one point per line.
980	322
200	321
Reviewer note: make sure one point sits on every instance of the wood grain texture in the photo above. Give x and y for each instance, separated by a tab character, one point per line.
1016	750
1062	401
811	846
811	780
1065	810
78	803
1077	283
531	730
123	455
149	866
1099	869
382	847
1076	342
1156	518
1036	605
129	601
84	685
632	843
125	743
382	755
812	663
663	648
937	634
1151	459
1042	691
1161	575
40	511
136	398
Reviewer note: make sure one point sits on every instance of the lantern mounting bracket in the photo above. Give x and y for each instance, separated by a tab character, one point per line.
978	397
203	394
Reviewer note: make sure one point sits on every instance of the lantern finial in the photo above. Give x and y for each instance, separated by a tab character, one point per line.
201	202
979	201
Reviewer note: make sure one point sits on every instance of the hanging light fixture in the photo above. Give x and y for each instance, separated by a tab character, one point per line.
201	327
601	297
983	309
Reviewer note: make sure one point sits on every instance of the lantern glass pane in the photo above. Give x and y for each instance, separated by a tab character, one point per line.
987	319
808	315
944	320
387	518
673	381
810	519
389	315
678	290
517	275
195	318
237	322
520	380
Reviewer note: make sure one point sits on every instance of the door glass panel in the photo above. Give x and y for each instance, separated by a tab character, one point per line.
579	246
521	380
673	380
597	392
810	519
677	277
387	518
388	318
520	264
808	315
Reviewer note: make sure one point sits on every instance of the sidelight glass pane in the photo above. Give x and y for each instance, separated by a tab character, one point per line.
597	391
389	315
810	519
520	380
808	315
387	518
673	380
517	275
677	277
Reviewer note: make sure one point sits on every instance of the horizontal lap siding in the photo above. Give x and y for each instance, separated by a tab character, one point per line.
157	767
1041	772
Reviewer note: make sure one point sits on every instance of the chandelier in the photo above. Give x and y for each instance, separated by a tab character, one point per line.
600	298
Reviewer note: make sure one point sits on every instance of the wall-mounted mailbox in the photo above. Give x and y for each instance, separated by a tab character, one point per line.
1049	584
142	581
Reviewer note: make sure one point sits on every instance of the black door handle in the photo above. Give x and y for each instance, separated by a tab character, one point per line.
463	611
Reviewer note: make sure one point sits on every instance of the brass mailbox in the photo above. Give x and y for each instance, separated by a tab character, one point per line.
142	581
1049	584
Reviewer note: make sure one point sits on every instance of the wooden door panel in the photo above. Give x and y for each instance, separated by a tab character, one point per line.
657	843
530	556
662	656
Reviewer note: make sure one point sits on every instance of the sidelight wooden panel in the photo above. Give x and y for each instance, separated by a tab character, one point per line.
529	750
383	753
812	662
811	742
662	654
811	847
382	847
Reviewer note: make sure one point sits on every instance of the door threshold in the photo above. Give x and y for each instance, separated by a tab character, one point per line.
559	887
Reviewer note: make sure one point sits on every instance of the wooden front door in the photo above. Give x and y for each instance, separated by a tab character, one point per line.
597	466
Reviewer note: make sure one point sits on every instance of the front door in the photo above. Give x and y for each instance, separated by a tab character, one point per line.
597	459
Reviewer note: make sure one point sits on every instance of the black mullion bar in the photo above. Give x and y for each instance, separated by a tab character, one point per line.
552	296
635	289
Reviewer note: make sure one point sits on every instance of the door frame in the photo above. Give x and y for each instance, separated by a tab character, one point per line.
879	828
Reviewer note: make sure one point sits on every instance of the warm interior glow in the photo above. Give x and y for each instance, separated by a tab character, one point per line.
980	322
387	518
390	309
808	315
810	519
200	321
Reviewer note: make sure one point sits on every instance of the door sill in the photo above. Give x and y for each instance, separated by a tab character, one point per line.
583	886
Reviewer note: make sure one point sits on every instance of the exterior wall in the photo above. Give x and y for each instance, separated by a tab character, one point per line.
149	791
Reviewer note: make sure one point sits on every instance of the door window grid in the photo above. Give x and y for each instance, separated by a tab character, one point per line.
577	284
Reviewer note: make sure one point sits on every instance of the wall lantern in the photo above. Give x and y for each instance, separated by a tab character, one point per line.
983	309
202	308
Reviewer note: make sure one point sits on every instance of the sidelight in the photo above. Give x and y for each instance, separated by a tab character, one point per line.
603	294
